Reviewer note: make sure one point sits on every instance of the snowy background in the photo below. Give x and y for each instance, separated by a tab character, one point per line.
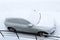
49	9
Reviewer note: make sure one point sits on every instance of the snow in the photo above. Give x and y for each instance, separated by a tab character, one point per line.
49	9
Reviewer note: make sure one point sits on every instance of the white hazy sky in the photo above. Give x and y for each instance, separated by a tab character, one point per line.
49	9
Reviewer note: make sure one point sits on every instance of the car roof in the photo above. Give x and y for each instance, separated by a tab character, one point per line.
18	20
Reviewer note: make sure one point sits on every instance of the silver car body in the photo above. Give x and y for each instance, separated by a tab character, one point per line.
23	25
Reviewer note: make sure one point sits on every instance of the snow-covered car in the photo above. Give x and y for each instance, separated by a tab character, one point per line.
19	24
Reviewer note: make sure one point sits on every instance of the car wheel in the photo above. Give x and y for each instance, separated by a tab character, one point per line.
42	33
11	29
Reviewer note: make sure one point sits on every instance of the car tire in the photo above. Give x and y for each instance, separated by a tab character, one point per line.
11	29
41	33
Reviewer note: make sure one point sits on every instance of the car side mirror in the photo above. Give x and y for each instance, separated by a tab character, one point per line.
30	25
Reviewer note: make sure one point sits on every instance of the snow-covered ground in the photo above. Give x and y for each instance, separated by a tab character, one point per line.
49	9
